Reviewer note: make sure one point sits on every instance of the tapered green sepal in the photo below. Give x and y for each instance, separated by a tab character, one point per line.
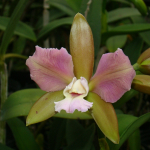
82	47
105	116
44	107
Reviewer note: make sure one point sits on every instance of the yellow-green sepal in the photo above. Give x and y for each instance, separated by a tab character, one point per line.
141	83
44	107
82	47
105	116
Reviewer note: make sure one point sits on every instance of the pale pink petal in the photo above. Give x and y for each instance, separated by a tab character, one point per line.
63	105
70	105
113	76
51	69
85	85
80	104
69	87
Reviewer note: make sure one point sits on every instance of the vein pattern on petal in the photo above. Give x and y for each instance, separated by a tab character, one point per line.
51	69
113	76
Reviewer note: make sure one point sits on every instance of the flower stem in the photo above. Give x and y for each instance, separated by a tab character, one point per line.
46	20
10	55
136	66
103	144
88	8
3	74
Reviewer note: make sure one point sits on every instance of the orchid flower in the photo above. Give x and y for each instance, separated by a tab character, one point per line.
69	83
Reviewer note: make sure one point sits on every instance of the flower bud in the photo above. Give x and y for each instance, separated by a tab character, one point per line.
141	83
143	62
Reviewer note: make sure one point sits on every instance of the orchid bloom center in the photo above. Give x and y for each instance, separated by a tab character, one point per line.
77	88
74	94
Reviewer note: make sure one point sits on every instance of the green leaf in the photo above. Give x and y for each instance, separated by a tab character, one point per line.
83	7
56	133
73	130
123	2
19	45
133	49
121	13
104	24
75	5
141	6
118	111
124	121
52	25
84	141
75	115
12	24
20	103
115	42
104	3
63	6
94	20
23	137
135	140
127	125
93	148
146	34
55	14
125	29
130	28
21	29
4	147
126	97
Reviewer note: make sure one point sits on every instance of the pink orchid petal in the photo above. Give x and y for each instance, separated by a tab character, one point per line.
51	69
113	76
70	105
85	85
63	105
69	87
80	104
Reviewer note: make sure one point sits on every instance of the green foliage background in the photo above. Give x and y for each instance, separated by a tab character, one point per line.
114	23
